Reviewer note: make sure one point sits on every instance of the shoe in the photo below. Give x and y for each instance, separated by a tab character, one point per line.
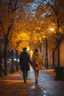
36	82
24	80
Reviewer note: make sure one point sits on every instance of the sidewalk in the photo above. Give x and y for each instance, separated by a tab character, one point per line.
13	85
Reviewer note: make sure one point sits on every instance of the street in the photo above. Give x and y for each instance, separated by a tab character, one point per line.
13	85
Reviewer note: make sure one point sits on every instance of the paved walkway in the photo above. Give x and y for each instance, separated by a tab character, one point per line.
12	85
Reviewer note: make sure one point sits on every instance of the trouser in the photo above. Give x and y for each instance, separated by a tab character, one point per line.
25	73
36	74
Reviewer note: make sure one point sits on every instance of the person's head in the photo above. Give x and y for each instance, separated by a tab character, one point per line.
25	48
36	50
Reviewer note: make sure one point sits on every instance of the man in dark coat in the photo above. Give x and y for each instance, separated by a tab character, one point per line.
24	63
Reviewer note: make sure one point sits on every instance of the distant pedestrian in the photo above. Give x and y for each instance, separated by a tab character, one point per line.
37	61
24	63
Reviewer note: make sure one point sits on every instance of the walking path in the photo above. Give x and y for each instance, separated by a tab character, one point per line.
13	85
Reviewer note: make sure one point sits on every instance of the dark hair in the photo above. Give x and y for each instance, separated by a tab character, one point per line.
25	48
36	50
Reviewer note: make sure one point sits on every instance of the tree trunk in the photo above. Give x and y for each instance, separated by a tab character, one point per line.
58	54
0	62
16	61
46	54
5	58
12	64
53	58
0	67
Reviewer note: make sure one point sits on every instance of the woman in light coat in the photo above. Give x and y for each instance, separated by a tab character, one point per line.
37	61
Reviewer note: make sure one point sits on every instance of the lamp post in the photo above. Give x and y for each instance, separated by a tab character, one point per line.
52	30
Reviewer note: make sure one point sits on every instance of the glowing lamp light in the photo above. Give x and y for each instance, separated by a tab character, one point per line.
31	52
28	49
52	29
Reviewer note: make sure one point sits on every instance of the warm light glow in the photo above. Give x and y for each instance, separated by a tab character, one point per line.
52	29
28	49
44	36
31	53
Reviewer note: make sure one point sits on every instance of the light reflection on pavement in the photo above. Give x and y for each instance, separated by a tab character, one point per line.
13	85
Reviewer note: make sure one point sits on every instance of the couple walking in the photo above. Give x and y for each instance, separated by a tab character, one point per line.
36	63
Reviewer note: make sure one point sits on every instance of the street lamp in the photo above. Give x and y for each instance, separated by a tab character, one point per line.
52	29
28	48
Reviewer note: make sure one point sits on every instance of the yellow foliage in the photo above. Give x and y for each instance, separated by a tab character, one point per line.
23	36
